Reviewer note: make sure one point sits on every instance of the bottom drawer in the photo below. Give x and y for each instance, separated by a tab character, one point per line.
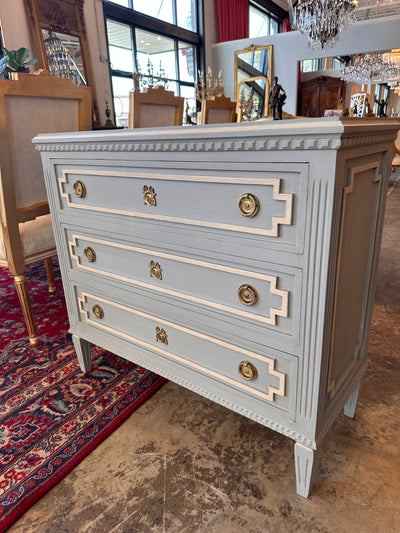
265	377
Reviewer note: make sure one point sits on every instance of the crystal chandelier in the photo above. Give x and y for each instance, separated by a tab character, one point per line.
323	20
372	68
60	61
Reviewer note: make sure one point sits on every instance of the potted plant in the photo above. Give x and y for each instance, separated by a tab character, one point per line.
15	61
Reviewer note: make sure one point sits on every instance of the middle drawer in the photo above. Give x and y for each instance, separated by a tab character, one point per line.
268	298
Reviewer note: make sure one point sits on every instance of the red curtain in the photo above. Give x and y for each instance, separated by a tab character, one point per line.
286	25
232	17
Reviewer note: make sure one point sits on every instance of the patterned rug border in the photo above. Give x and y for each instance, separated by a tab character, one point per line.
97	417
25	502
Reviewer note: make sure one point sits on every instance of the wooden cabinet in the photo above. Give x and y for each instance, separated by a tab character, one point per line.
319	94
227	261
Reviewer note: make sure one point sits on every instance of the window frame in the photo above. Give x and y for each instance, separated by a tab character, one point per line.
137	20
271	11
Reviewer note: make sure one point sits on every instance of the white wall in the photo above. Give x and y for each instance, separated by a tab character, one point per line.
289	48
14	26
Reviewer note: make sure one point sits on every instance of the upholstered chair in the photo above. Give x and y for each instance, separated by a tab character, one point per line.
218	110
32	104
155	107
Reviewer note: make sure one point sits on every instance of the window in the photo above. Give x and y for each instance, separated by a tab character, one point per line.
338	63
381	98
325	63
262	23
182	13
310	65
155	40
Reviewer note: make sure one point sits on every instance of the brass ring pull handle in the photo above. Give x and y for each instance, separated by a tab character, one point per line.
248	205
247	295
247	371
90	254
79	189
98	311
149	195
161	336
155	270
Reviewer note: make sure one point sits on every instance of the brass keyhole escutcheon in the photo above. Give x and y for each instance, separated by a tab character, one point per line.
80	189
90	254
98	311
247	295
161	336
149	195
248	205
247	371
155	270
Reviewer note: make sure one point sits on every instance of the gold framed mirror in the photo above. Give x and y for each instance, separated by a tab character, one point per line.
253	78
60	42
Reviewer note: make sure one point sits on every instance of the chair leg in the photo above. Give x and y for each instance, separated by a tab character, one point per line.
50	275
25	301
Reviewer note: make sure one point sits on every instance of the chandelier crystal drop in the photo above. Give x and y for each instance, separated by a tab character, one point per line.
372	68
323	20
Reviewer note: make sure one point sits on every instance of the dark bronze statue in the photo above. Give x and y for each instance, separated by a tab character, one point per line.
381	107
276	99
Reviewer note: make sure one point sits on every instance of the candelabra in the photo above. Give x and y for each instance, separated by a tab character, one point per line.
210	87
150	80
323	20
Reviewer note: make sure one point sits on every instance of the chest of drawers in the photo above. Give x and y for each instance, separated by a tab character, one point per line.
236	260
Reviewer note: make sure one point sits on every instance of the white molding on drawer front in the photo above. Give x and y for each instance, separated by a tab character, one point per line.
274	182
273	280
280	391
153	365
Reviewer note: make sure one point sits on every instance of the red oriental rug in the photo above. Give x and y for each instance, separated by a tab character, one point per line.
51	414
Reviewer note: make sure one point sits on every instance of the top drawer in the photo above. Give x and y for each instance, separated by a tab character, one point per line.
260	205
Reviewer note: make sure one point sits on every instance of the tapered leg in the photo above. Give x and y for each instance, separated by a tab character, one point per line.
306	465
82	349
25	301
350	407
50	275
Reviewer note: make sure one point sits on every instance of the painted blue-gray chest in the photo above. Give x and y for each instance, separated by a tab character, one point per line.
236	260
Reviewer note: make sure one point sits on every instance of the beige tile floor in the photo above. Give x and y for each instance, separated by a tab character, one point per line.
182	464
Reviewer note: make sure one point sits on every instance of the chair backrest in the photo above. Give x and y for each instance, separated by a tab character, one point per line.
218	110
32	104
155	107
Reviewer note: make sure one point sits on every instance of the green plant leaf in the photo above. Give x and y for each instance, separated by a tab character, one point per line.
16	62
23	53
